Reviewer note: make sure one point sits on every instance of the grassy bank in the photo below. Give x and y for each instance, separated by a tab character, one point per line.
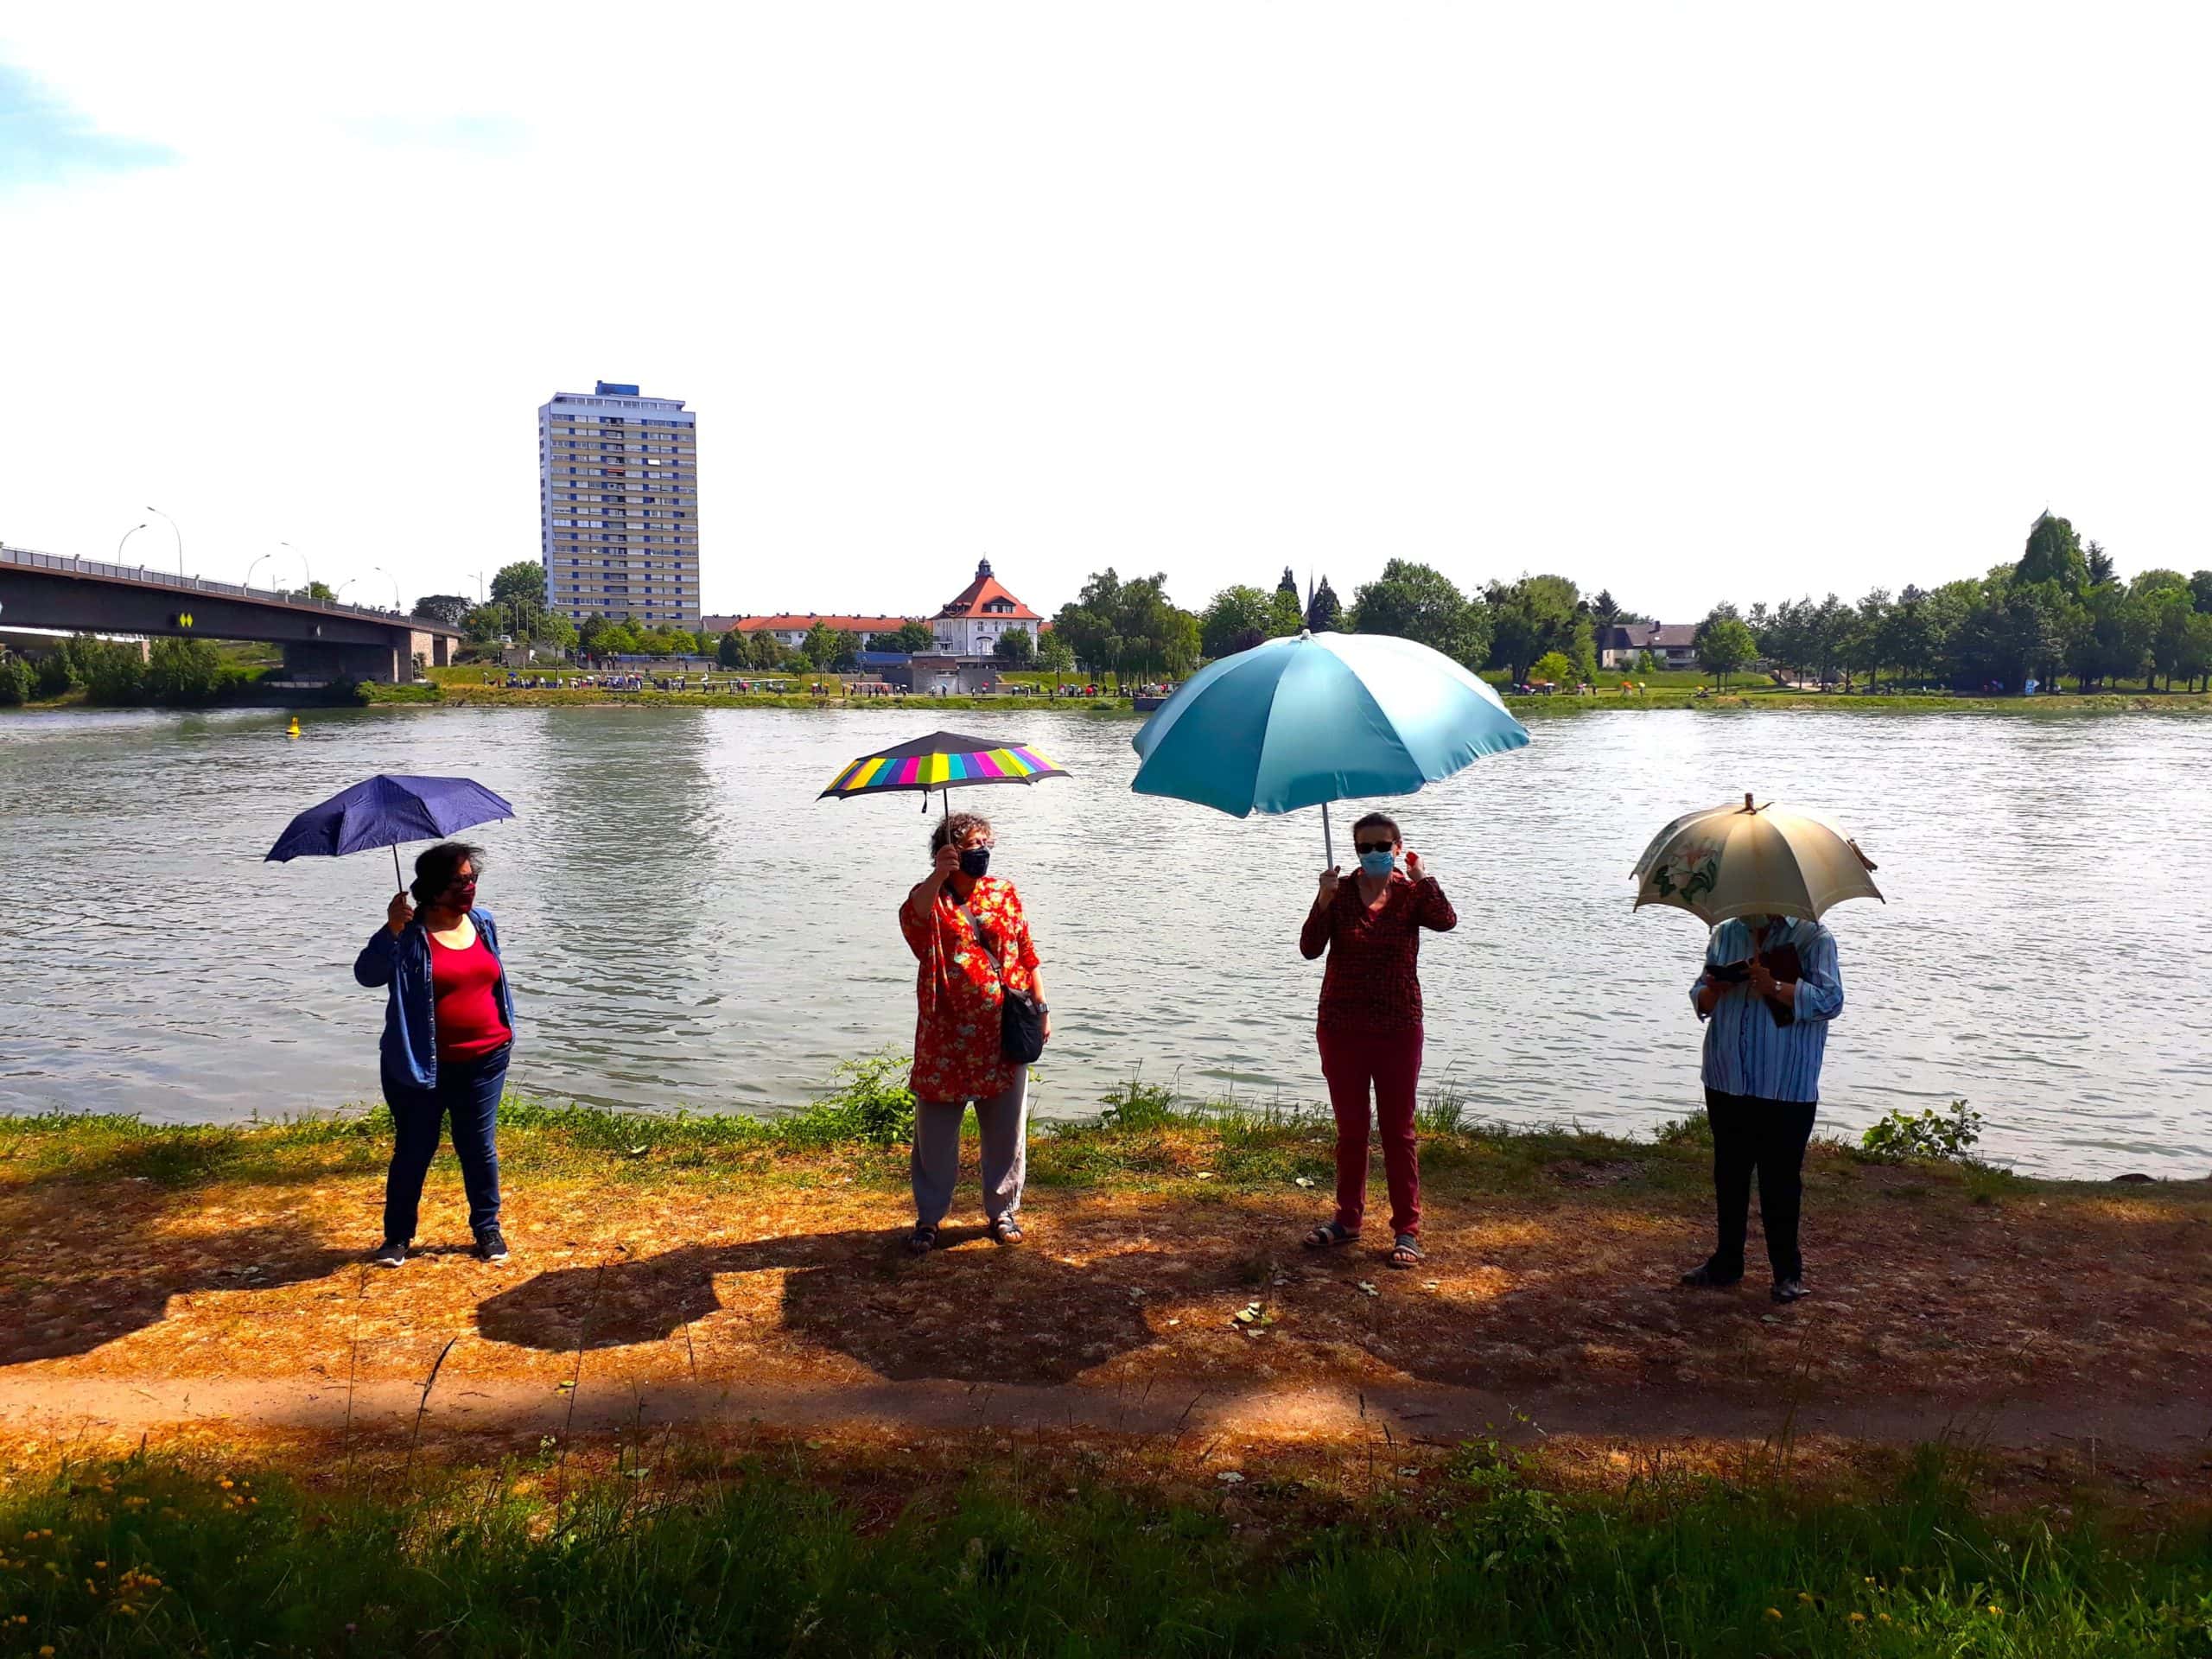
667	1549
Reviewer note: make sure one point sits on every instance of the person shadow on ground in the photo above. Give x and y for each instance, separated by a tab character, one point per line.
972	1315
73	1305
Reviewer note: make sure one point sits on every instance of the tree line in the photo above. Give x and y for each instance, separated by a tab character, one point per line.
2061	608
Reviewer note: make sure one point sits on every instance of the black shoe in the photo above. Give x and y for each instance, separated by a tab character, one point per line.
1790	1290
1708	1277
391	1253
492	1246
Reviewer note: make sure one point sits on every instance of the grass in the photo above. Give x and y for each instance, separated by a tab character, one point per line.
666	1547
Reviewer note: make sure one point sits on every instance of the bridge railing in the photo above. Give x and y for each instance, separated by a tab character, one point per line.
25	558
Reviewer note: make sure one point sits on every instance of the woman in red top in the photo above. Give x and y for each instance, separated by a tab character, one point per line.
448	1034
1370	1022
969	934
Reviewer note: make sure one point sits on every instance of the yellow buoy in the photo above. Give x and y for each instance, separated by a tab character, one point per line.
293	730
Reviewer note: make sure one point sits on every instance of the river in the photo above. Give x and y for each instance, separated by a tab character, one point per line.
687	926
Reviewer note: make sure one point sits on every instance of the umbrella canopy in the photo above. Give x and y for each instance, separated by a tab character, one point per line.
941	761
1752	860
1319	718
385	810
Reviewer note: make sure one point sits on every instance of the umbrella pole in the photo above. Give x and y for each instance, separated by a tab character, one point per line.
395	867
1328	841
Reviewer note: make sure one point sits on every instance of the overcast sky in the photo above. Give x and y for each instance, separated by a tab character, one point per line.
1689	301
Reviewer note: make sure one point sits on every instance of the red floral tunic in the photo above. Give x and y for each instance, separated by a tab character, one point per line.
957	1054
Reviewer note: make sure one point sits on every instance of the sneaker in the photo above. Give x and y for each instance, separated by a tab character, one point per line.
492	1246
1790	1290
391	1253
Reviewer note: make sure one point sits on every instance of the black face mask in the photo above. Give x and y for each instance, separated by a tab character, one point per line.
975	860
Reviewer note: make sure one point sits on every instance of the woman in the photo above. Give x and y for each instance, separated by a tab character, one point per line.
967	930
448	1032
1370	1022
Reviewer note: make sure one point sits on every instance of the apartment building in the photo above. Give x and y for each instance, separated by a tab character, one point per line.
619	504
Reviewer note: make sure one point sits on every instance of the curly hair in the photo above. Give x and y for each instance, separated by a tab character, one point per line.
1379	821
951	831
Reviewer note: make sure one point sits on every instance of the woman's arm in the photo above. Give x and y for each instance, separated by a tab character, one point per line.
380	959
1313	938
1818	991
1431	908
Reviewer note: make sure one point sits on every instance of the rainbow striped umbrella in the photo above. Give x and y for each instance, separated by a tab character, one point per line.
943	760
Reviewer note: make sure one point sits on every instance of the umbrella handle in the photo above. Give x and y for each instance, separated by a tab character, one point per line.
1328	841
395	867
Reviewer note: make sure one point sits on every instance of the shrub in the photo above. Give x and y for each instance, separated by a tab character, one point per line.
17	682
1948	1137
111	673
871	1104
1137	1104
1444	1112
52	672
179	672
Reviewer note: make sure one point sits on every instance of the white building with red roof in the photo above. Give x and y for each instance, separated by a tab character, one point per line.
971	625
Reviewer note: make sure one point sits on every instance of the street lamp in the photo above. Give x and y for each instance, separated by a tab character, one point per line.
394	581
342	587
174	531
251	568
307	573
127	535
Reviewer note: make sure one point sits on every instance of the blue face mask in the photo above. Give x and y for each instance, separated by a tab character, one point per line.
1378	865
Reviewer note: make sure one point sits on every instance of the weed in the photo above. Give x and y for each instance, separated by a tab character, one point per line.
1948	1137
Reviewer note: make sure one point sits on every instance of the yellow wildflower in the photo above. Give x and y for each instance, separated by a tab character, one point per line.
1856	1619
1774	1612
1805	1596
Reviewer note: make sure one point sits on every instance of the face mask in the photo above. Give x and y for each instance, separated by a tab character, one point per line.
1378	865
975	860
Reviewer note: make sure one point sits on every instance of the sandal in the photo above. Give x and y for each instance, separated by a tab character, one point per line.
1328	1236
923	1240
1007	1229
1407	1252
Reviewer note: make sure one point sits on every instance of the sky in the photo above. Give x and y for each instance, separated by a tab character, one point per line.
1689	301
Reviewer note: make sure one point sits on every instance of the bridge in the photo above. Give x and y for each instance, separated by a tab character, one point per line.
322	640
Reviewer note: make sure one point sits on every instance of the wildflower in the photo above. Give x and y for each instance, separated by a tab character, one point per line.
1995	1612
1856	1619
1805	1596
1774	1612
100	1565
1883	1618
45	1652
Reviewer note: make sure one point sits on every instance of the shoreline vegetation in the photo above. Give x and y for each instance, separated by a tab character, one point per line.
710	1406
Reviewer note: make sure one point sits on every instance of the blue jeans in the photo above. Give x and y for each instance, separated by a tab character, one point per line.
470	1090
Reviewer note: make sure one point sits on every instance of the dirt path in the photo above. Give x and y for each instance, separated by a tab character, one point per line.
2031	1317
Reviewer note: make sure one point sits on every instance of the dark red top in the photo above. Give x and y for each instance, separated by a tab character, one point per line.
1373	982
466	984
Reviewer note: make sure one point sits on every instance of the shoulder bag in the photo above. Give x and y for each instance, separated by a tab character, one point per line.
1021	1016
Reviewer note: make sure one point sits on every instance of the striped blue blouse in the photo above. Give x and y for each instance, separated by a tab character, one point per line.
1745	1052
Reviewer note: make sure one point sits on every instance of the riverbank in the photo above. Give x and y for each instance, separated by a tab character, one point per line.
712	1399
453	694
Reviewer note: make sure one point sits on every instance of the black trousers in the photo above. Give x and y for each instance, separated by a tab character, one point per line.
1770	1136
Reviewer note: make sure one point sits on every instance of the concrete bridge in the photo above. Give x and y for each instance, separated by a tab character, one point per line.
321	640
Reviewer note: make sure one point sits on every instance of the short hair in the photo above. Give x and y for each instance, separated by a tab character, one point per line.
434	870
951	830
1378	820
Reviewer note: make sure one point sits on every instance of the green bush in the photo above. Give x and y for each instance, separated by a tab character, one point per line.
871	1104
1137	1104
53	674
1948	1137
179	672
17	682
111	673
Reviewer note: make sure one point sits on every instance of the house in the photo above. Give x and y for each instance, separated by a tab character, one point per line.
1673	644
970	624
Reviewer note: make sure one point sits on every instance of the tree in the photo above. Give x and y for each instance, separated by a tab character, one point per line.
449	608
730	650
523	580
314	591
180	672
910	639
1235	619
1288	587
2053	554
2199	590
1053	653
1419	602
2098	564
554	629
1552	668
1015	648
1532	616
1321	615
1286	616
1129	628
1724	642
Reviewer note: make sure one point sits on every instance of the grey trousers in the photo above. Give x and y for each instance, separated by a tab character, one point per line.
1004	1120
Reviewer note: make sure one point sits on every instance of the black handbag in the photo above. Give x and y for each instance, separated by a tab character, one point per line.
1021	1016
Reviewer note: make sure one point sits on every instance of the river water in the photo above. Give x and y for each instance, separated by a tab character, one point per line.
688	926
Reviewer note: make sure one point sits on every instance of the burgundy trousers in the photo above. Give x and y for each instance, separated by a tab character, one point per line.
1388	1063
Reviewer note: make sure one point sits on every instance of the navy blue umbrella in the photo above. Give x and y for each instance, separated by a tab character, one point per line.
385	810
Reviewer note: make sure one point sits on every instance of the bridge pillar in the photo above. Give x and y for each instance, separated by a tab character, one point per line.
432	648
323	659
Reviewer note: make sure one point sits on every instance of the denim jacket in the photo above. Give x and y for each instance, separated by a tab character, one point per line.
402	960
